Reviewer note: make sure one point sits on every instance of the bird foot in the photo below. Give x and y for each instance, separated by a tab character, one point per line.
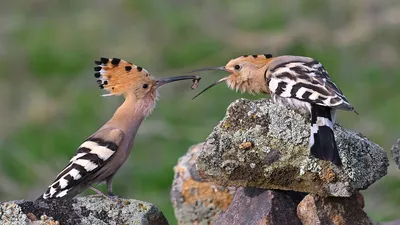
110	196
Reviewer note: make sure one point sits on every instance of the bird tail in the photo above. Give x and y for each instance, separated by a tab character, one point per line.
322	140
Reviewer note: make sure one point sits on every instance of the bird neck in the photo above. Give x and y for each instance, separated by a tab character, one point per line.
131	114
260	82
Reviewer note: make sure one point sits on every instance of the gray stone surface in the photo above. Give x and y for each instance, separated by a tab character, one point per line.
261	144
82	210
396	153
262	207
196	201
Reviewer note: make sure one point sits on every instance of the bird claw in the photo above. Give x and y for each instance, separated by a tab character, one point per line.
113	196
95	195
110	196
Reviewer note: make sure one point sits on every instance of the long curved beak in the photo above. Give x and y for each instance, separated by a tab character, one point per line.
173	79
210	86
222	68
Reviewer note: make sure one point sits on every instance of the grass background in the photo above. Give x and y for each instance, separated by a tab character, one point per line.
50	103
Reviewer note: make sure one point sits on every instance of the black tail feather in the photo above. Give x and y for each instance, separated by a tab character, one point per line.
323	144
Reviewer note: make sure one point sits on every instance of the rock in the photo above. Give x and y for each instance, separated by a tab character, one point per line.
396	153
332	210
262	207
81	210
397	222
265	145
196	201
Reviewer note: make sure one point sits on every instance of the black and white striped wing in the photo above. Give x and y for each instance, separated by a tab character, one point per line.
90	157
306	81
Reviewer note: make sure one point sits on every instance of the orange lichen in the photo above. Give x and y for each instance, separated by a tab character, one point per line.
48	220
337	220
246	146
328	175
193	191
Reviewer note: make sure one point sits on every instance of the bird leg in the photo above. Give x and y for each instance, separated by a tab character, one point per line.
101	194
109	188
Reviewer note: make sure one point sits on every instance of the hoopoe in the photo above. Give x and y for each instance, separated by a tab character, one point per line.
294	81
104	152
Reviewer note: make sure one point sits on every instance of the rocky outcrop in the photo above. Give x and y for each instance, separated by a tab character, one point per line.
265	145
82	210
262	149
196	201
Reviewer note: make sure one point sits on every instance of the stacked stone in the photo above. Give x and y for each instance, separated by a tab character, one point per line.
82	211
260	150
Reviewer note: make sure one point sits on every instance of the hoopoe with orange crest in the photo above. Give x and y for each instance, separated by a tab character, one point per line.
104	152
294	81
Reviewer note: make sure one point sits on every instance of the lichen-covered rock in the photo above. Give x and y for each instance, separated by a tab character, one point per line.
82	210
265	145
11	213
196	201
396	153
262	207
341	211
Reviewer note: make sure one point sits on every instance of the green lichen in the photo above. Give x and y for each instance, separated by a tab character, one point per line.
12	214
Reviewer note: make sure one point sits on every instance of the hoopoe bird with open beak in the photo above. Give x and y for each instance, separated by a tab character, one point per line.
297	82
100	156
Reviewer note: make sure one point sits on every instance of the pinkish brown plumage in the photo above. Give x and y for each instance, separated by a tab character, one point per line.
104	152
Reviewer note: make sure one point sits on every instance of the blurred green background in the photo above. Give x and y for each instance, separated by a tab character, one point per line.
50	102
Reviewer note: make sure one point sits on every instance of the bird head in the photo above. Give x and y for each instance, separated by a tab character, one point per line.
119	77
246	73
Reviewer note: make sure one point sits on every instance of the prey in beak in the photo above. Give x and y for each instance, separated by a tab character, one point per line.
210	86
221	68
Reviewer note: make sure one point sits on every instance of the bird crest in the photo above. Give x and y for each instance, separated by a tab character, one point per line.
255	59
117	76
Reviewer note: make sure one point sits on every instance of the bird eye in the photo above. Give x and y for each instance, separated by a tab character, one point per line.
237	67
145	86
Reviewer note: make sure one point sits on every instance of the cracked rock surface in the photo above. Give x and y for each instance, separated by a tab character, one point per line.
265	145
396	153
81	210
196	201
